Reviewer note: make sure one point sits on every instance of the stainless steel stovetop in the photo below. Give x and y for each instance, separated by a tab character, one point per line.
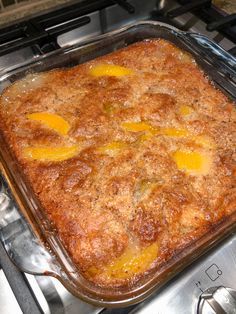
216	270
209	283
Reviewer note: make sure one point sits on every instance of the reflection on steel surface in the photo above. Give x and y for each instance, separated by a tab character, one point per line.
21	244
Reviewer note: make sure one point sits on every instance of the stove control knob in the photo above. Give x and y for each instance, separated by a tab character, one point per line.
219	300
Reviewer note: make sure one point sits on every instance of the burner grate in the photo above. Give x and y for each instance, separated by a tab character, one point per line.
6	3
42	31
225	21
188	7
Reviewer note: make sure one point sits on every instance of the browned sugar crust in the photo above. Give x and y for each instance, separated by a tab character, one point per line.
101	204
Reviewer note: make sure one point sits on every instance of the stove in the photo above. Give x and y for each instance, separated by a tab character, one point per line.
209	284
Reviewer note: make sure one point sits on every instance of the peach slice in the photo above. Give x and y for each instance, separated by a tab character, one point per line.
146	136
173	132
51	153
192	162
110	70
51	120
132	262
138	127
185	110
150	130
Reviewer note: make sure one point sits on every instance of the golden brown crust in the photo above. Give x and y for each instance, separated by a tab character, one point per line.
101	203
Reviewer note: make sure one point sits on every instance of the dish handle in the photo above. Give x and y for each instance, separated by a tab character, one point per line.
211	52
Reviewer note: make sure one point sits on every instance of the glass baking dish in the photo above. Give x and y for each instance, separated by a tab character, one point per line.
24	229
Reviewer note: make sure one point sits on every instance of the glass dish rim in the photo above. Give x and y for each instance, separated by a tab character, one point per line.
8	72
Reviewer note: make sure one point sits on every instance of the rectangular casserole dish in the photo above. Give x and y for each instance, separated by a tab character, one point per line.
39	250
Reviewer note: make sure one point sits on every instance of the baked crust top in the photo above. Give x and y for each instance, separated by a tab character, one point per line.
132	156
